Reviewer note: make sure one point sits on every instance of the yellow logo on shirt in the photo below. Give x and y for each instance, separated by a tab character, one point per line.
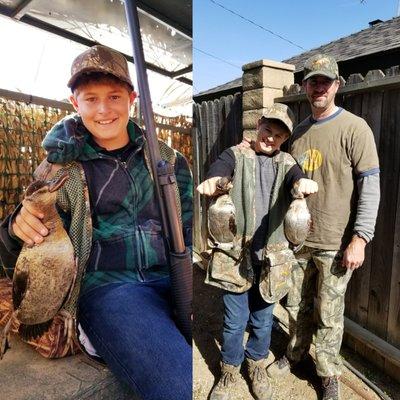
312	160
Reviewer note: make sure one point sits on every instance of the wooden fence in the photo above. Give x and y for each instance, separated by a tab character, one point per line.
373	296
217	125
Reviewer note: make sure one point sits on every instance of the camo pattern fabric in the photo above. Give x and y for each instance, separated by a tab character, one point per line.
275	275
321	64
239	275
232	270
283	113
168	154
73	198
316	307
100	59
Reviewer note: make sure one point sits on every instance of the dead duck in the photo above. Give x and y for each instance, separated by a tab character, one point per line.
221	216
297	223
44	273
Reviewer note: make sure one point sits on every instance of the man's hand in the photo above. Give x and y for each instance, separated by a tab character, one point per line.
28	225
209	187
353	256
305	186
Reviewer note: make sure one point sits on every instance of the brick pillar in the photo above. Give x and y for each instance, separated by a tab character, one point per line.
263	81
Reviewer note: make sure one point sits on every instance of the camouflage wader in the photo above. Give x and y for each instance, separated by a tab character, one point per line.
316	305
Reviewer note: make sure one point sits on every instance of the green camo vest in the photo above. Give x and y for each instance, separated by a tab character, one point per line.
232	269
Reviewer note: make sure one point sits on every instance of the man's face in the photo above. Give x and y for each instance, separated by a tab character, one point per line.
104	109
270	136
321	91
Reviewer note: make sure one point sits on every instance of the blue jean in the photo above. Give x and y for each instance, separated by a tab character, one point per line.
131	328
242	309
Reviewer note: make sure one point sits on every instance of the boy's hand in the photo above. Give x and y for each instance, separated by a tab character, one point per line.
28	225
245	143
210	186
305	186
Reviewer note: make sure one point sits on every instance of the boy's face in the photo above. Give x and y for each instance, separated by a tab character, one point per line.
270	136
104	109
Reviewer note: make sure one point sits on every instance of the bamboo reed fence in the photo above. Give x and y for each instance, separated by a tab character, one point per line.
23	125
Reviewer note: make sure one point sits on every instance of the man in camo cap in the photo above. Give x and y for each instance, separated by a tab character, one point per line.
245	244
332	146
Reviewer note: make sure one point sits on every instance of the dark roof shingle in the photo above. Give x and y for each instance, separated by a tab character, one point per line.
380	37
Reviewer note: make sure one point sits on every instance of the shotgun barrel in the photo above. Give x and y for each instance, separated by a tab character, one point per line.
179	257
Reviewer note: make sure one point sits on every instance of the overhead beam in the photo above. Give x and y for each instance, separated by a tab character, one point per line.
168	21
89	43
6	11
185	80
21	8
182	71
32	21
29	99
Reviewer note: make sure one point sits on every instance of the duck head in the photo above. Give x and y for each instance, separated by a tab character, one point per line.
44	193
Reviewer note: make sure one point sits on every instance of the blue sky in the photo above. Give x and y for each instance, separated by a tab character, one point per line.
307	23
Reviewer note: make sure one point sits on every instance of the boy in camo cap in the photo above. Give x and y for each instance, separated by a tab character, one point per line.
259	195
122	294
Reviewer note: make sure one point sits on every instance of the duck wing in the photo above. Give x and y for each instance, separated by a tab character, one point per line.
20	283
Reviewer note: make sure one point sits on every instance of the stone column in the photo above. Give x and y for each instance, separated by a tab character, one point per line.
263	81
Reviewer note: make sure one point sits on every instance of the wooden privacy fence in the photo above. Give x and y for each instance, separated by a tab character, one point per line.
24	120
217	125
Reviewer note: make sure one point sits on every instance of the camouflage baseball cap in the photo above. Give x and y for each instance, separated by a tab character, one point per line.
321	64
100	59
283	113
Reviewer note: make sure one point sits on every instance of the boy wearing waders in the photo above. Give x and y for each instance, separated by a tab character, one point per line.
254	268
121	298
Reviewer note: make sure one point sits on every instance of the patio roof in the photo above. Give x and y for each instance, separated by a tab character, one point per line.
166	28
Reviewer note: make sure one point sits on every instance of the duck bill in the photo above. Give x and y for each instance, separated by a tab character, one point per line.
56	184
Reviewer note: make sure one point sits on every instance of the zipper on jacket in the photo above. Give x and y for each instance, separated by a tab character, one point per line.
126	164
124	167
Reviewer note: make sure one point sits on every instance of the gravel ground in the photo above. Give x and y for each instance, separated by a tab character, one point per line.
301	384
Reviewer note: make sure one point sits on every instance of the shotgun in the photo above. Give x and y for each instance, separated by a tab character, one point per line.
178	256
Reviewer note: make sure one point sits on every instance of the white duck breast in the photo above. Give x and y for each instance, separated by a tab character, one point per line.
221	219
297	222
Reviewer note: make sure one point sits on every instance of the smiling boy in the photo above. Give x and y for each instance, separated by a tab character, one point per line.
262	178
121	298
104	108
